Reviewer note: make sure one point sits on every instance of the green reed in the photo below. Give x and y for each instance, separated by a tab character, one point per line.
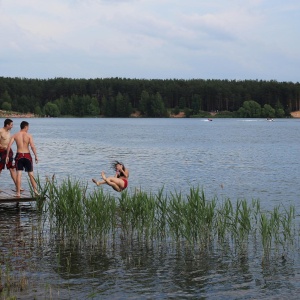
148	216
242	220
137	214
66	205
161	202
191	216
224	220
99	211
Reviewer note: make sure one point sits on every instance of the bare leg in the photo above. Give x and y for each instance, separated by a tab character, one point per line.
98	182
110	182
33	182
18	183
13	175
103	176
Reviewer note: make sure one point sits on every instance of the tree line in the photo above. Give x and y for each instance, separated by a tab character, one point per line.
120	97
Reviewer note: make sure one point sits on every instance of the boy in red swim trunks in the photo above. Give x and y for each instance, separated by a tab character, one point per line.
4	141
23	159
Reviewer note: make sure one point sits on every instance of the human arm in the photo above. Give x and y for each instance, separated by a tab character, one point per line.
8	148
32	146
1	146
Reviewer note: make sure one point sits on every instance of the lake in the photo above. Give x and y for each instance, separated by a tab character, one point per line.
228	158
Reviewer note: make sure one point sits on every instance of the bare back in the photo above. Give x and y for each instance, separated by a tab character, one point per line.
23	140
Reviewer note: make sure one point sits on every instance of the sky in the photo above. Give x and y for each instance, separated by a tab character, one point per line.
151	39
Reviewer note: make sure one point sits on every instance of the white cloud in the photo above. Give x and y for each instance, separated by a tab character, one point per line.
150	39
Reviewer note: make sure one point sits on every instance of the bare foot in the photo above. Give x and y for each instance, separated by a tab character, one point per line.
21	190
17	195
95	181
103	175
36	193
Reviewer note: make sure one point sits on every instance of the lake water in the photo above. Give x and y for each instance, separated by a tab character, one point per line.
228	158
235	158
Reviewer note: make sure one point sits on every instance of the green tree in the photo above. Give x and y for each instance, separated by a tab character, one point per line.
25	94
103	106
93	108
176	110
279	110
60	102
108	106
279	113
188	112
123	109
268	111
37	110
5	97
144	104
51	109
250	109
182	103
69	109
6	106
22	105
157	106
196	103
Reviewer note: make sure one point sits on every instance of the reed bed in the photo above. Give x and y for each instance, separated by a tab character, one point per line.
97	216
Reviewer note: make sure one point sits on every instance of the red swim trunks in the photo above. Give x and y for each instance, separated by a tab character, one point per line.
8	165
125	183
23	161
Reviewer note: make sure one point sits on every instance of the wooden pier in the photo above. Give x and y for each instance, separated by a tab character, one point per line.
9	196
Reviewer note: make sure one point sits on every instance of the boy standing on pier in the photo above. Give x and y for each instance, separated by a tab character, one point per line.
4	141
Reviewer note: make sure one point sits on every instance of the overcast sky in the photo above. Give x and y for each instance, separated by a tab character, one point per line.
166	39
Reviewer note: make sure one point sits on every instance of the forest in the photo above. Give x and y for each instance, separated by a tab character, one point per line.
122	97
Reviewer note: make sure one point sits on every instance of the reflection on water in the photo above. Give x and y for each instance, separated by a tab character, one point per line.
229	158
49	266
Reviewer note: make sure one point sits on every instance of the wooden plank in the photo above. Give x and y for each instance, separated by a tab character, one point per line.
8	196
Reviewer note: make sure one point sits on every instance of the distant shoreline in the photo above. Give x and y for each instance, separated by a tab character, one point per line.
6	114
13	114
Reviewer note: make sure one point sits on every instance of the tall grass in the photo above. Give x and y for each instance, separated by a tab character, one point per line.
191	218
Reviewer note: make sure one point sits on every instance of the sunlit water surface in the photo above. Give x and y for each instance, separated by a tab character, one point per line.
228	158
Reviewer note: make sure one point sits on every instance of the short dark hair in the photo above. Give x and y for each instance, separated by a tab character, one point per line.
7	122
24	124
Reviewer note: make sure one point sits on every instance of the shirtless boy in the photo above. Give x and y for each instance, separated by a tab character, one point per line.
23	159
4	141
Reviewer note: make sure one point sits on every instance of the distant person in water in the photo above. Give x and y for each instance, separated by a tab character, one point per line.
120	181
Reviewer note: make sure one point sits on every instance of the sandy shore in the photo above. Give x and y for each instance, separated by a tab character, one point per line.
12	114
295	114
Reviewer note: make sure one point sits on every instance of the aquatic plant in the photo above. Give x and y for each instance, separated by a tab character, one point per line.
97	215
83	220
